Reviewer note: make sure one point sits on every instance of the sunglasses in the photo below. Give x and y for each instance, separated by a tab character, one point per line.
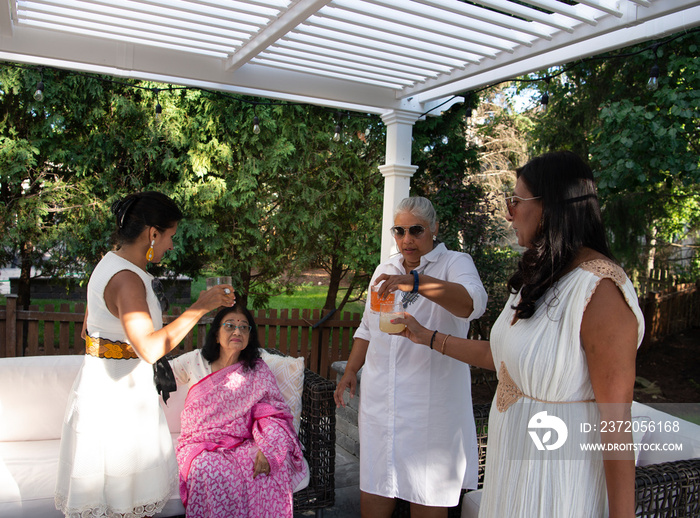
513	200
413	230
244	328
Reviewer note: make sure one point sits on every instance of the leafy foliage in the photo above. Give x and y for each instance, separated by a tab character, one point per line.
258	206
643	146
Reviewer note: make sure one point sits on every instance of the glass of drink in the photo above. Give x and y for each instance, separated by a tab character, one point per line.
387	312
215	281
375	300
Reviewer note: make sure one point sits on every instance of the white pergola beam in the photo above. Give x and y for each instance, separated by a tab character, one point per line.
471	17
562	49
417	28
295	15
506	6
6	28
314	53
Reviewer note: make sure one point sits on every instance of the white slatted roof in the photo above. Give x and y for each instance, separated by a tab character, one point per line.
365	55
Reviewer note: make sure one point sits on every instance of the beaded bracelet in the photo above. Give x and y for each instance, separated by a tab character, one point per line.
433	338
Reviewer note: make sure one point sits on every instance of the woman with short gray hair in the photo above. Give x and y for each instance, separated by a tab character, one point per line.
417	433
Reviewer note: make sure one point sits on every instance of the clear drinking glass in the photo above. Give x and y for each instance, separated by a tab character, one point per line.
387	312
215	281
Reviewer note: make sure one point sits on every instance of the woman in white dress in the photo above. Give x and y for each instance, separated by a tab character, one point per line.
417	432
116	456
564	347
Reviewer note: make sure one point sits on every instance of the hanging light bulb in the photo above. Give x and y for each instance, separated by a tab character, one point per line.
653	83
545	101
336	135
39	93
256	125
159	111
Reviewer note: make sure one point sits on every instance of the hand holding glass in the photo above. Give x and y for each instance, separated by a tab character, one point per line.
387	312
215	281
375	300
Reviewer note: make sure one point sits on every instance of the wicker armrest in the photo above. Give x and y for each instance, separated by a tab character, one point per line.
481	420
668	489
317	435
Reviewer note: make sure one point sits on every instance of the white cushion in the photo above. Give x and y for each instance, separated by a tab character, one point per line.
665	429
470	504
33	395
174	407
289	373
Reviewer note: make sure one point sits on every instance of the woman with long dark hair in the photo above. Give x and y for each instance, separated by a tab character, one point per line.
564	347
117	457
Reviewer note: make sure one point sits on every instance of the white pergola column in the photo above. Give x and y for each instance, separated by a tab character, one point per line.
397	170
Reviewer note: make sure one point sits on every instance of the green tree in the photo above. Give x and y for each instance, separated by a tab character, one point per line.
447	175
37	186
642	145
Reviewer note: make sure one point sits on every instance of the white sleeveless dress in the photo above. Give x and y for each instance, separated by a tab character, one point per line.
545	359
117	457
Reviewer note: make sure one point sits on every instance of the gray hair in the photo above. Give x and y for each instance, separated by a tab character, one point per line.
421	208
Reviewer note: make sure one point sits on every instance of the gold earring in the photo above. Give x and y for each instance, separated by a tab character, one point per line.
149	252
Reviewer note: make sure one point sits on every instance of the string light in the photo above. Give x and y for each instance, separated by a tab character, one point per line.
545	98
159	108
39	92
336	136
653	83
256	125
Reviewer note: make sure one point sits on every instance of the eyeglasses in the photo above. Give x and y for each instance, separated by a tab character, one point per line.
244	328
413	230
513	200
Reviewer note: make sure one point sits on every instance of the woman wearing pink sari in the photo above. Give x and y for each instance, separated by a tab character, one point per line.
238	453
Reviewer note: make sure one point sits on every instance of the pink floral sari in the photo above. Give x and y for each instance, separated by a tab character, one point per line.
228	417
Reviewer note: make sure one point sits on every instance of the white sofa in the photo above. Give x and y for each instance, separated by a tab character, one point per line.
33	396
667	482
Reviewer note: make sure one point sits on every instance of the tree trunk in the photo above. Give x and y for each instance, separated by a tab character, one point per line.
242	290
336	275
651	253
23	288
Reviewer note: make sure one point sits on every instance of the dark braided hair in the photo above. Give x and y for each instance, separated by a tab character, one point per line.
571	219
145	209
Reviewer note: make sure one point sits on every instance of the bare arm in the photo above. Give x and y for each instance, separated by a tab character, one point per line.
473	352
125	296
355	363
83	332
452	296
609	338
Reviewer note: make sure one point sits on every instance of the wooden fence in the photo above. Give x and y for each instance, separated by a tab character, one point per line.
673	310
310	334
318	338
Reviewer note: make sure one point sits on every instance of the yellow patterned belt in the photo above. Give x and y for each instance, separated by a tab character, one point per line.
103	348
508	392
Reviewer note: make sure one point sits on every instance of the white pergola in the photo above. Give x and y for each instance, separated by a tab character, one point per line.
395	58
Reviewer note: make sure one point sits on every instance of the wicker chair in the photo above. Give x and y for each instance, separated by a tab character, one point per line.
317	434
667	490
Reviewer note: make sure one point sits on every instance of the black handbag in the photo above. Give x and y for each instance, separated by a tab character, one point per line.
163	375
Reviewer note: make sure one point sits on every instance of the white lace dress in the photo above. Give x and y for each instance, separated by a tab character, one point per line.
117	457
545	360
